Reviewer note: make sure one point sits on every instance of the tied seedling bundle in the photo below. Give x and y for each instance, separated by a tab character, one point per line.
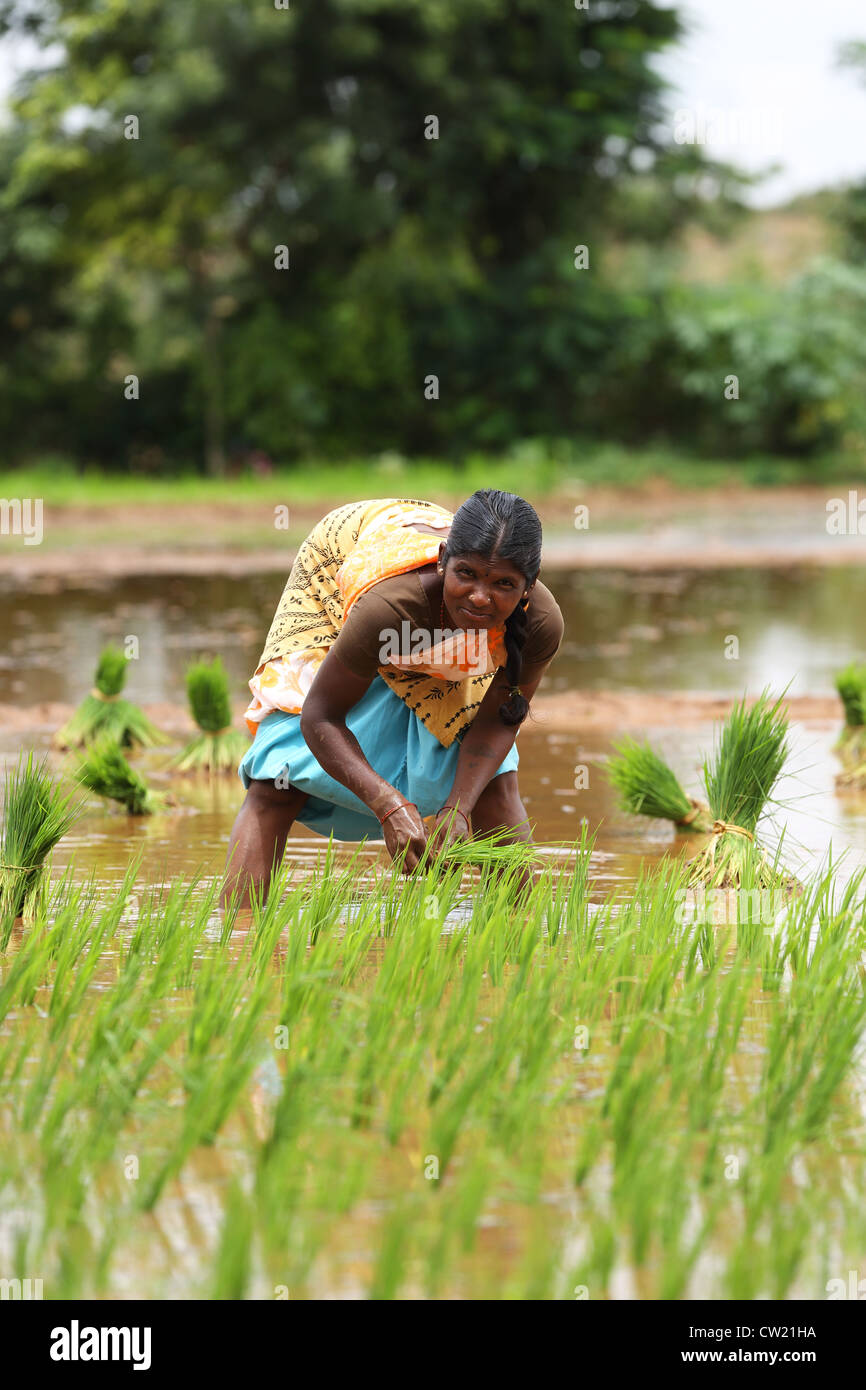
648	787
105	711
739	782
218	747
494	854
851	744
103	769
36	814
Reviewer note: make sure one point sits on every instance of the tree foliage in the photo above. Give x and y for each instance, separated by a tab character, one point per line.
409	257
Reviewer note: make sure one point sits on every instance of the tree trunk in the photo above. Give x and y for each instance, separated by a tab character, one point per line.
214	416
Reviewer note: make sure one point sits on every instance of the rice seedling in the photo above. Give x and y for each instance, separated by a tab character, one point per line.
496	1105
233	1260
851	686
495	850
103	769
739	781
647	786
851	743
218	747
105	711
36	815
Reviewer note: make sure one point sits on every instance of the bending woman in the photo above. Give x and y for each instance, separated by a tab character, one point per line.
398	669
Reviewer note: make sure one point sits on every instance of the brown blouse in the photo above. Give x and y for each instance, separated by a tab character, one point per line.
387	604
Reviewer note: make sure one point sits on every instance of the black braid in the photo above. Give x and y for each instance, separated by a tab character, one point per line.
515	709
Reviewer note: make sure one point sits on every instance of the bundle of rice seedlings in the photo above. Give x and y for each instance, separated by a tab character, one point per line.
105	711
739	782
219	747
851	743
490	852
493	855
36	814
648	787
103	769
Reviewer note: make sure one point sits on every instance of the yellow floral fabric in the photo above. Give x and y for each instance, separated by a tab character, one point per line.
350	550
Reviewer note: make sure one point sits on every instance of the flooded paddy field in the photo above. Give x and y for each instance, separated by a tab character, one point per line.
380	1088
633	642
625	629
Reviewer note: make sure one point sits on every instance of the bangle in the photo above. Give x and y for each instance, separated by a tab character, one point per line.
395	808
454	808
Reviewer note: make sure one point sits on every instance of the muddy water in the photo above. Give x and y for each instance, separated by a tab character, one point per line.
624	630
192	838
648	632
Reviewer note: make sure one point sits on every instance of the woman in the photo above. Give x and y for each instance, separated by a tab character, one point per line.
398	669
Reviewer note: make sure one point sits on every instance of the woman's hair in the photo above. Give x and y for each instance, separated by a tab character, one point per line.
501	526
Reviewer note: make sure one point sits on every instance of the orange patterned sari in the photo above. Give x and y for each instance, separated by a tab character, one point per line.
351	549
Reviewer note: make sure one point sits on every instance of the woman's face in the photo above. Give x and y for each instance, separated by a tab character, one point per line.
481	593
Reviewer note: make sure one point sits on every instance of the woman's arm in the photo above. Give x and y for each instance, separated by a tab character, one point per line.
333	693
488	740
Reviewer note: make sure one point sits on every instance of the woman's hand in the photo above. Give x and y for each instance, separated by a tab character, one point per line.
404	829
450	825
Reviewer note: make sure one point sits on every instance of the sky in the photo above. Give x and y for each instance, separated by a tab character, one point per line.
762	79
756	81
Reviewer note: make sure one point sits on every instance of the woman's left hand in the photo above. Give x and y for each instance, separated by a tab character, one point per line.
450	825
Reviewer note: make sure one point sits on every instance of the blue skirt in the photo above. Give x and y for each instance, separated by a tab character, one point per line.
393	740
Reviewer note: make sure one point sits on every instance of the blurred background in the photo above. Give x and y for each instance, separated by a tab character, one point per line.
429	169
258	260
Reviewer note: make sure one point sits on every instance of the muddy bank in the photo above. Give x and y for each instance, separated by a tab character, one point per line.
610	710
596	710
655	527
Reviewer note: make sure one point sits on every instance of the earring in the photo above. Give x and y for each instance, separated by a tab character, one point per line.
525	605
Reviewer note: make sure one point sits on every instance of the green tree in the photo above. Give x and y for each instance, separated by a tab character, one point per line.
409	256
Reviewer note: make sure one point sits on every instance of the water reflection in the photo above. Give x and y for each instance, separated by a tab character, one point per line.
624	630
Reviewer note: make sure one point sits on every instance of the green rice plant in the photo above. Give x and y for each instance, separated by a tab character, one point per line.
495	850
647	786
77	951
851	686
497	857
387	1100
36	815
103	769
213	1078
392	1254
218	747
739	781
105	712
851	743
234	1255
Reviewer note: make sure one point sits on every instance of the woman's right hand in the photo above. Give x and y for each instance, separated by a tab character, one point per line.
404	829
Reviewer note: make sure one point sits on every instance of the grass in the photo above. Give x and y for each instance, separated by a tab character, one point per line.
104	713
851	744
357	1091
218	747
739	781
103	769
851	685
36	815
647	786
552	467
